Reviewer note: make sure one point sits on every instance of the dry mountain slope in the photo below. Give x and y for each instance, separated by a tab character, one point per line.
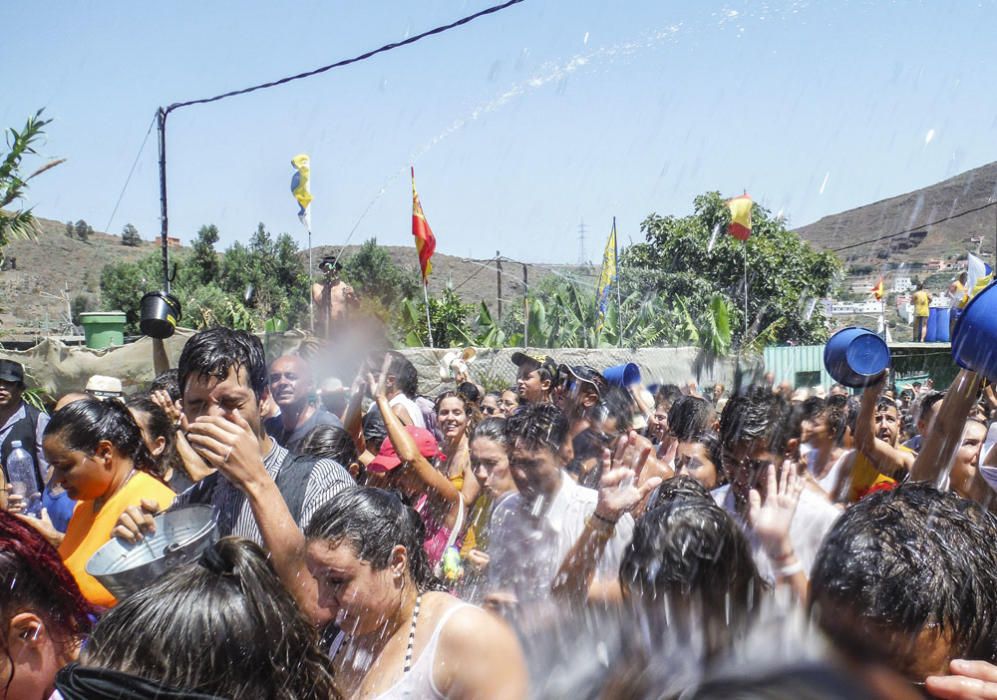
967	202
55	266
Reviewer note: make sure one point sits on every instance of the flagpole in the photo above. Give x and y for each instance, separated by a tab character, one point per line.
744	249
311	274
429	323
619	302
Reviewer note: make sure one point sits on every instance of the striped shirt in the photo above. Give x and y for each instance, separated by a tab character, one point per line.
328	478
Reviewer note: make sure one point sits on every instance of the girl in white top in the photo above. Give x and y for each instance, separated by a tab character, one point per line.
402	638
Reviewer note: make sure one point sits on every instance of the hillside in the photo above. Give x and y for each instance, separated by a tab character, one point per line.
966	202
55	268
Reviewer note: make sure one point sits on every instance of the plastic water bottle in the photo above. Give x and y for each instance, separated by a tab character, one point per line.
21	471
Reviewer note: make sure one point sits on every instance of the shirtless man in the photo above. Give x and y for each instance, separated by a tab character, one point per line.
334	299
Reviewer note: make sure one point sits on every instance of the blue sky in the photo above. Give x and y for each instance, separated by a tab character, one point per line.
520	125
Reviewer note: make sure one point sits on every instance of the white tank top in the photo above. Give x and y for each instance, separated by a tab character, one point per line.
418	682
410	406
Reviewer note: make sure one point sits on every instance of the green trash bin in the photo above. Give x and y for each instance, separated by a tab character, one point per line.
102	329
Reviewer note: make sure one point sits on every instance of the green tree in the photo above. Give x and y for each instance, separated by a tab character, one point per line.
204	259
19	223
70	230
123	284
81	303
690	260
83	230
380	283
448	314
130	236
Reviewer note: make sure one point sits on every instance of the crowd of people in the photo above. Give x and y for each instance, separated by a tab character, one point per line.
567	535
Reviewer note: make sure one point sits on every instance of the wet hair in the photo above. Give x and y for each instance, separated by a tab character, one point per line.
667	394
687	553
158	424
469	392
928	402
757	414
835	412
168	381
884	403
33	578
615	403
679	487
330	442
470	408
537	425
223	625
711	441
492	428
216	351
689	416
903	561
83	424
405	374
374	430
373	522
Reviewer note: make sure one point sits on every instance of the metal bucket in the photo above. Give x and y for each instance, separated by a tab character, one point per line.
181	535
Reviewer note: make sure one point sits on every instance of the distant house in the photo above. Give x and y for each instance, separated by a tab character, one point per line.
902	284
172	242
843	308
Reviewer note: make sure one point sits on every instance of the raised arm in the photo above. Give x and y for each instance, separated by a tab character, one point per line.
888	459
353	417
945	433
408	451
620	491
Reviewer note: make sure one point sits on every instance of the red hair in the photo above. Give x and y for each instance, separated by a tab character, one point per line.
33	577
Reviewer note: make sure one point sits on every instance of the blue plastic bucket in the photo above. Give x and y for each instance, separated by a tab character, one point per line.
932	334
944	321
856	356
622	375
974	342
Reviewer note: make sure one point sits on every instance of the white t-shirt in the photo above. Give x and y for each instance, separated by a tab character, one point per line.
527	547
813	518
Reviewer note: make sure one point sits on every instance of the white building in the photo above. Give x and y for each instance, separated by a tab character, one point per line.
902	284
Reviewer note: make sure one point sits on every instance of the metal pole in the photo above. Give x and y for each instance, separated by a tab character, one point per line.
745	250
498	292
311	272
619	299
429	323
164	221
526	307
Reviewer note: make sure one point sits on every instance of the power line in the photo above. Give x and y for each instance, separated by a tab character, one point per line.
348	61
107	226
913	230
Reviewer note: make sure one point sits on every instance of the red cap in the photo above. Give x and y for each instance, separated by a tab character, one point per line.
387	459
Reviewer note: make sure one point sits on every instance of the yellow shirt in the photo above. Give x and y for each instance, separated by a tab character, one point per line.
921	303
88	531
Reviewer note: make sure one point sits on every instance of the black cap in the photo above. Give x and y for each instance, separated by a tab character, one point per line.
330	262
541	361
589	375
11	371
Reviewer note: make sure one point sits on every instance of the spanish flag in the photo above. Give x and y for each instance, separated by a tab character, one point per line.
740	217
425	241
301	188
878	290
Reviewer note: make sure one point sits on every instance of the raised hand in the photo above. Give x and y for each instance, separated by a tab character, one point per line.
229	444
620	489
771	520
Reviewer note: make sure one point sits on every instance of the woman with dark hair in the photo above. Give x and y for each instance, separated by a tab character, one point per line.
401	636
159	433
508	402
330	442
699	457
97	454
221	627
490	461
43	616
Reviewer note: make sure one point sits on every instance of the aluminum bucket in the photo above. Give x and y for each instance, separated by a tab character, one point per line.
181	535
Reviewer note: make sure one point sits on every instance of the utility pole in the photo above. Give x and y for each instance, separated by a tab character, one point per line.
582	260
498	291
526	307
